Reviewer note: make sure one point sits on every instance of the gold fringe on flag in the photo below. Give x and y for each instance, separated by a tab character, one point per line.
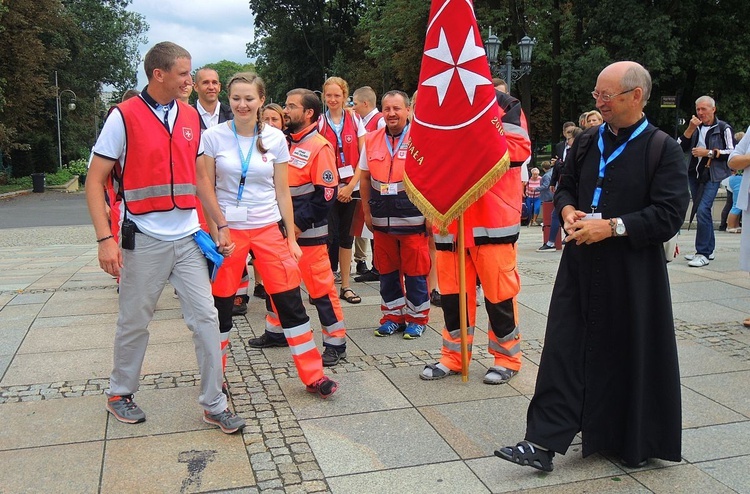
440	220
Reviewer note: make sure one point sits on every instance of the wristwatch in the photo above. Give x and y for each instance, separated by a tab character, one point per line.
711	154
620	228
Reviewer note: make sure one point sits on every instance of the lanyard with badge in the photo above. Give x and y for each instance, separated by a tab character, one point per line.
239	213
390	189
345	171
603	165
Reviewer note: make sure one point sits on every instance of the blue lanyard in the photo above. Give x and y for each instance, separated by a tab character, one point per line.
400	141
245	160
338	129
603	164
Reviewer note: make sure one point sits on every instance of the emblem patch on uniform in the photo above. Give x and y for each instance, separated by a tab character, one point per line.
187	133
349	139
264	158
327	177
328	193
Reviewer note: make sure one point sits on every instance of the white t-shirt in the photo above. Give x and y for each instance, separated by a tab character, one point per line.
209	119
169	225
259	194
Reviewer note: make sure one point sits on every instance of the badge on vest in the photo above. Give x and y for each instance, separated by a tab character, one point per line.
388	189
327	176
346	171
236	213
328	193
187	133
299	158
401	154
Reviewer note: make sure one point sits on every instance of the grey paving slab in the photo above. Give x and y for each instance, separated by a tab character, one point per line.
503	476
472	428
532	323
447	478
700	411
89	336
18	316
187	462
449	390
610	485
105	319
537	298
716	442
4	363
30	298
374	441
731	389
52	422
94	363
6	298
684	478
699	291
698	360
373	345
358	392
741	304
68	468
705	312
167	411
80	302
10	340
731	472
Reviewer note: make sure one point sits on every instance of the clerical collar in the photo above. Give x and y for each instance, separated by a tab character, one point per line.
152	102
623	134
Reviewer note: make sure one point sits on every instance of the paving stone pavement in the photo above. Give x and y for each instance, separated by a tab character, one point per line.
383	431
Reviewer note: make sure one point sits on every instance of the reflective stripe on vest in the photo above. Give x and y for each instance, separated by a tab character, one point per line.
315	232
376	184
411	221
303	189
157	191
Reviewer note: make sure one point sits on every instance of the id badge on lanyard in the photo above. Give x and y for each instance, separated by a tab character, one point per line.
388	189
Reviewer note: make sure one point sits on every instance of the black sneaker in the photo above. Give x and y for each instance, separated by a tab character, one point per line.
324	387
435	298
545	247
266	341
331	356
371	275
240	306
362	267
260	291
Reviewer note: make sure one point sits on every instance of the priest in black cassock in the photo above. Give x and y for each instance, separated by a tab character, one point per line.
609	365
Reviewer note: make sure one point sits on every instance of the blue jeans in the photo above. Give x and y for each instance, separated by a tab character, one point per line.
554	226
705	242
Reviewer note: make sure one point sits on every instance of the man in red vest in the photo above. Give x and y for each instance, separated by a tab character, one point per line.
401	247
155	142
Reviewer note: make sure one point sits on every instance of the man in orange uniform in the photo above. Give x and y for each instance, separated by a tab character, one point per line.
401	248
312	179
491	228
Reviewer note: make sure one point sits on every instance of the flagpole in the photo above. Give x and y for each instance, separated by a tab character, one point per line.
462	300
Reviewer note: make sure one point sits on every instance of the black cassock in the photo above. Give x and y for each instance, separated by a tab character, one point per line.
609	366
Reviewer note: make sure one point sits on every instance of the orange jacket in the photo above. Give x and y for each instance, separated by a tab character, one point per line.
391	209
312	180
495	218
158	173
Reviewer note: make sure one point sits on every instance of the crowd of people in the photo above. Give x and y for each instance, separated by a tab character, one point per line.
285	186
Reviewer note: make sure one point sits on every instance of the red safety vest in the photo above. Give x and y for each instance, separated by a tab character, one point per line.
372	125
391	209
158	173
348	153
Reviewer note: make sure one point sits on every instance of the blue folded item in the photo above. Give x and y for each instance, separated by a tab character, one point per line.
209	249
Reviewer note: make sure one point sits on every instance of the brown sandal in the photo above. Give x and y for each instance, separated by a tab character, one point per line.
746	322
353	298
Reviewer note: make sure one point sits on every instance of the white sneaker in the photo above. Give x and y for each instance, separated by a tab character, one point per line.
690	257
698	261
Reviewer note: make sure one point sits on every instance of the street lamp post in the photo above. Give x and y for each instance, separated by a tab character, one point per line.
71	106
506	70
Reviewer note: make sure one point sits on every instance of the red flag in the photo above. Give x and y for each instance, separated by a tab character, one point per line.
457	148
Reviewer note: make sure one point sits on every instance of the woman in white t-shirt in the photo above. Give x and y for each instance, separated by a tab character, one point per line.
247	160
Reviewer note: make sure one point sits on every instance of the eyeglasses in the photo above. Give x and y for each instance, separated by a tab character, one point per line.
292	106
606	98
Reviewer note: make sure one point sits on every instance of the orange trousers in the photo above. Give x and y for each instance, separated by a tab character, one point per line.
282	280
315	267
495	265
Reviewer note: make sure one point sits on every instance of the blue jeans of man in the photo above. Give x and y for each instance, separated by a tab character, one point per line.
705	242
554	227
